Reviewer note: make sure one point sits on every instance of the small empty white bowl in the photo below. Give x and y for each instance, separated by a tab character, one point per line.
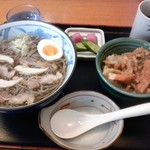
88	102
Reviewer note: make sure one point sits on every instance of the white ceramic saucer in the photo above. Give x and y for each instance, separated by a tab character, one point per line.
88	102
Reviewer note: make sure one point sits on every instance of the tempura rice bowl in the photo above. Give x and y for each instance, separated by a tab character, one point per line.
120	46
41	30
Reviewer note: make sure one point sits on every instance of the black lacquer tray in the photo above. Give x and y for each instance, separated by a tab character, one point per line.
22	130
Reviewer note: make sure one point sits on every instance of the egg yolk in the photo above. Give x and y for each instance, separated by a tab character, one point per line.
50	50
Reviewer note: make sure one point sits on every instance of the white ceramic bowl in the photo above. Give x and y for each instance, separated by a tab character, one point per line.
88	102
42	30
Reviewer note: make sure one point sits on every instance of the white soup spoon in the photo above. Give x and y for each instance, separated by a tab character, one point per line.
68	123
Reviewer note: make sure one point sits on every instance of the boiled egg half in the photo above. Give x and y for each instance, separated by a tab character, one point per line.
49	49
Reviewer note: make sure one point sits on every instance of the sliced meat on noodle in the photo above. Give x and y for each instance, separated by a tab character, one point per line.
30	71
5	73
22	98
5	58
4	96
32	84
27	61
50	78
9	83
45	79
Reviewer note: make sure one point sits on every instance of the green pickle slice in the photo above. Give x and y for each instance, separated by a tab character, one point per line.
91	46
80	47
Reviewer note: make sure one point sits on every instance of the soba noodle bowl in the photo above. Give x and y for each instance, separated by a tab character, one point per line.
25	77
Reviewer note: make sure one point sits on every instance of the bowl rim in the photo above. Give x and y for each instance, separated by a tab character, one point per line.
99	70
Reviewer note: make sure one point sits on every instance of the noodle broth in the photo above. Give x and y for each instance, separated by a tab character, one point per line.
31	87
